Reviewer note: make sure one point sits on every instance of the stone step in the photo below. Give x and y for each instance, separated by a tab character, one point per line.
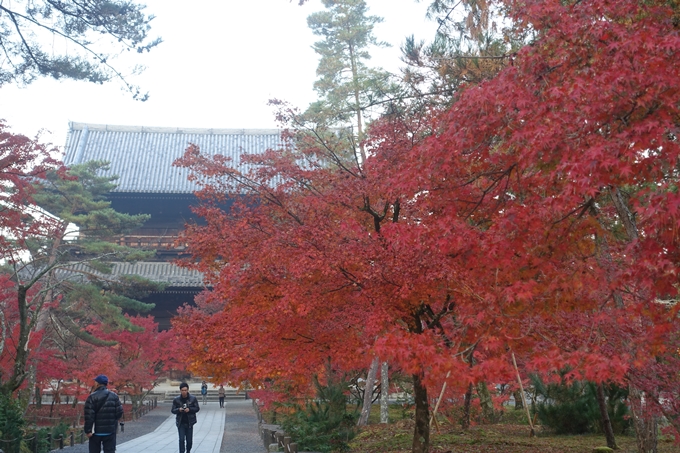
212	395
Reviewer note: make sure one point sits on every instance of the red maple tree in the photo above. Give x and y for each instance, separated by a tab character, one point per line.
134	364
537	216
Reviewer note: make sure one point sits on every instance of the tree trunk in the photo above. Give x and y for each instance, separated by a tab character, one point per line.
518	400
38	397
357	105
644	422
465	419
604	413
384	393
421	436
368	392
486	403
19	372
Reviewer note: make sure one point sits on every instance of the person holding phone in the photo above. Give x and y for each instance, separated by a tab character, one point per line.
185	406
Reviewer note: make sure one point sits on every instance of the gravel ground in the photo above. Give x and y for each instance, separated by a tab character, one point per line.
241	434
133	429
240	429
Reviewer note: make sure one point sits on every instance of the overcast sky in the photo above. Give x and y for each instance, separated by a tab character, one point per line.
221	60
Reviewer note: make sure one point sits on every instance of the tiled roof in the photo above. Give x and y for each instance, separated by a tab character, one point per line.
142	157
163	272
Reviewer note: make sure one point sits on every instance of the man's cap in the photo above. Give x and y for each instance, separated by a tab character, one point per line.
101	379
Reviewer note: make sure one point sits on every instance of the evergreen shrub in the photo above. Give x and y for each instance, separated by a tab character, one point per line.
571	407
323	424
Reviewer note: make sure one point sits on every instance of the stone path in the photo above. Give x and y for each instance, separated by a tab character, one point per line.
229	430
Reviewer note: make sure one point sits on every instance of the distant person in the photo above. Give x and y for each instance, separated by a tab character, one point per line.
102	412
185	406
204	392
220	393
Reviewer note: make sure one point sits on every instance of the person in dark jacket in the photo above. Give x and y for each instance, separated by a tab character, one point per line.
102	412
185	407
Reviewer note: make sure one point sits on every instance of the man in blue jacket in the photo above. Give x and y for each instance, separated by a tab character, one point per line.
103	410
185	407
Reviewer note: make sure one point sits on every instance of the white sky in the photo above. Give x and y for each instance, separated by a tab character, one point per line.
221	60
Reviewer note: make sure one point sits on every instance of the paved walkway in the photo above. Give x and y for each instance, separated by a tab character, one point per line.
229	430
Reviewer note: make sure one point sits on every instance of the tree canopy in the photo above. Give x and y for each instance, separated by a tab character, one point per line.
71	39
535	216
57	253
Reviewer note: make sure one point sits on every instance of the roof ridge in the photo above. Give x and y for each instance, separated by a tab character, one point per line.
75	126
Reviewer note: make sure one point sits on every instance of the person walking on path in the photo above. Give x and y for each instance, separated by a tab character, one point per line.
102	412
185	406
220	393
204	392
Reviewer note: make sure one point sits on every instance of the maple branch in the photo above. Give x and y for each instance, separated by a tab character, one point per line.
319	139
581	209
436	319
261	190
272	198
384	277
377	218
350	277
309	339
471	57
627	218
495	182
340	288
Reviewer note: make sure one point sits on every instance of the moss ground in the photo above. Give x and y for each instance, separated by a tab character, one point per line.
510	435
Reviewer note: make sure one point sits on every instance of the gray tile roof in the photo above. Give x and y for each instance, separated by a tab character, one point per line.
142	157
163	272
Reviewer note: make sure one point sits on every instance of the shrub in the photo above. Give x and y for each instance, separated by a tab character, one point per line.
571	408
60	430
322	424
11	425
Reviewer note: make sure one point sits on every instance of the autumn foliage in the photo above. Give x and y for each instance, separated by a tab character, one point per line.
55	329
537	216
133	365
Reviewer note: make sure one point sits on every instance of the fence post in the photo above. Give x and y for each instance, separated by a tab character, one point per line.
49	440
61	441
35	443
72	439
82	437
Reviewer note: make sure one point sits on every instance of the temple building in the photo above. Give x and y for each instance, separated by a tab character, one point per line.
142	158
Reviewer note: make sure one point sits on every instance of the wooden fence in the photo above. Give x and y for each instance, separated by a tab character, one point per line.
76	420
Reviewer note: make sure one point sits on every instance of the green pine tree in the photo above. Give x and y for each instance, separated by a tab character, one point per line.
347	87
62	261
